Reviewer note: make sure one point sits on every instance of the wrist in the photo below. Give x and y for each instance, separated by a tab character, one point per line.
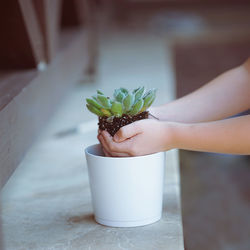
172	134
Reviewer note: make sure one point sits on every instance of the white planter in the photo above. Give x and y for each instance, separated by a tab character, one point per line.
126	191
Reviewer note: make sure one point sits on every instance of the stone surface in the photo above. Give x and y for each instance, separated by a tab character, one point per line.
216	201
47	205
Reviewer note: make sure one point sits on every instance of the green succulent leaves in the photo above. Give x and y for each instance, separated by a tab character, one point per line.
94	110
136	107
116	109
124	102
139	93
149	98
106	112
119	95
94	103
99	92
104	101
128	102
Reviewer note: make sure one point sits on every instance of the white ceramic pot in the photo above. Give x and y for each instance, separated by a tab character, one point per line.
126	191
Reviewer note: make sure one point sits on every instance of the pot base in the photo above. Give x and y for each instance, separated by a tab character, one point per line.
135	223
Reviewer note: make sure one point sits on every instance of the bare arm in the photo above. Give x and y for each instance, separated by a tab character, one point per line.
230	136
226	95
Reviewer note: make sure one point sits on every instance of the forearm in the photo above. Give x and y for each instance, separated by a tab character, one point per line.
227	136
225	96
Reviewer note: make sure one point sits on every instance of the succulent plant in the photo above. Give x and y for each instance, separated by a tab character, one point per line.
123	103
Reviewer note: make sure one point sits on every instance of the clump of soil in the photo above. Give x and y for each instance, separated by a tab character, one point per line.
114	124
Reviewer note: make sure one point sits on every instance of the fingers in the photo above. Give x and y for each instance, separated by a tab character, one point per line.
101	140
106	152
105	147
115	149
109	149
126	132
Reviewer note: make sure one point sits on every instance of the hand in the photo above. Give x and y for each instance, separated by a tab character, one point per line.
153	113
138	138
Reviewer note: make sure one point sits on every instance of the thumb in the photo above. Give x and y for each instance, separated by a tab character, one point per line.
126	132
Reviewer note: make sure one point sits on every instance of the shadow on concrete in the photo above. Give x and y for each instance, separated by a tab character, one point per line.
81	219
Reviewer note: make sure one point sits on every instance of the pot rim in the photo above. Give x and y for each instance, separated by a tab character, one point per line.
117	158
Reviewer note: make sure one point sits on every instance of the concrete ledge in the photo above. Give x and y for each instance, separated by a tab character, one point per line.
27	109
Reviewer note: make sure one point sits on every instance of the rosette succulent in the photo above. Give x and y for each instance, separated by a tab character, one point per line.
125	107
